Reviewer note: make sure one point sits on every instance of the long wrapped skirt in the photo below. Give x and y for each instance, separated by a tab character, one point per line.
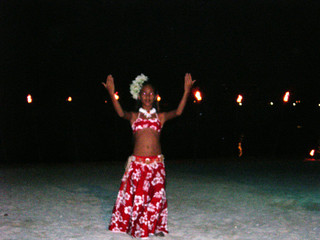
141	206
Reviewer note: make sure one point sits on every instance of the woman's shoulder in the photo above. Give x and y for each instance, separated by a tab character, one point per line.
134	116
161	116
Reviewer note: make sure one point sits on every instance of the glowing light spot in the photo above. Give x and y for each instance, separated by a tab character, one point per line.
198	96
286	96
239	99
158	98
312	152
29	98
271	103
116	96
240	149
69	99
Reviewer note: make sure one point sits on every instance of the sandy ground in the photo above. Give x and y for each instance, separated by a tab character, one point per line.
206	201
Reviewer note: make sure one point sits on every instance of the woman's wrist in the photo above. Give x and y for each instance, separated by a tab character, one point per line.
111	92
187	91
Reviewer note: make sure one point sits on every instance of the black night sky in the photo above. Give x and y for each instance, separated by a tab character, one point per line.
260	49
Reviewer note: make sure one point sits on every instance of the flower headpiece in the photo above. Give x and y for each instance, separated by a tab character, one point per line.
136	85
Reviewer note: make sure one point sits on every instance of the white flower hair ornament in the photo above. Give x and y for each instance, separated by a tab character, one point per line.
136	85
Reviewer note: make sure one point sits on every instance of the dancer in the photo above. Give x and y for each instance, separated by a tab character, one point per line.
141	206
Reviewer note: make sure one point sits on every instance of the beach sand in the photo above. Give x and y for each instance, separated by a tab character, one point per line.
207	199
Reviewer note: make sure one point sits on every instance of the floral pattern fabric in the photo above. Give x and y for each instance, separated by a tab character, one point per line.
141	206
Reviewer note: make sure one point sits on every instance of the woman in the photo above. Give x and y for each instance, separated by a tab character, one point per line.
141	206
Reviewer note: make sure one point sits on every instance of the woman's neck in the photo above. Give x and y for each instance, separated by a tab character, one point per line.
147	108
146	113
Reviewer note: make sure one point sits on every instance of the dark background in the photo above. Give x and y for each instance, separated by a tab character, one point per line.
260	49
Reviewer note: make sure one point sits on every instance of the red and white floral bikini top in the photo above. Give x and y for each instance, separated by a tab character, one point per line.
147	122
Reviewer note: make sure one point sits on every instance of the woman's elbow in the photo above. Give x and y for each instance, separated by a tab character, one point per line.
121	114
178	113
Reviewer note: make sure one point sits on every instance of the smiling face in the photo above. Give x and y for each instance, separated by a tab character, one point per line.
147	96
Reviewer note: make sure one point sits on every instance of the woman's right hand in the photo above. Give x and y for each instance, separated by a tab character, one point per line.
188	82
109	84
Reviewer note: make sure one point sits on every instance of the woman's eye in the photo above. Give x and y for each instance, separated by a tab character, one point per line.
144	94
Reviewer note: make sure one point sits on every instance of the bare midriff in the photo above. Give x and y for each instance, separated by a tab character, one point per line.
146	143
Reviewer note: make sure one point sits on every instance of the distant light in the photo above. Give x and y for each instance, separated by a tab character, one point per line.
312	152
298	101
116	96
69	99
105	101
271	103
239	99
158	98
319	105
240	149
294	104
286	96
198	96
29	98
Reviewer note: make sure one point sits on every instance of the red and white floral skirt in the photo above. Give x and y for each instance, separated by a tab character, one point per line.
141	206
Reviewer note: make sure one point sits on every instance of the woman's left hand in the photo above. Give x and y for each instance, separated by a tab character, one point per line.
188	82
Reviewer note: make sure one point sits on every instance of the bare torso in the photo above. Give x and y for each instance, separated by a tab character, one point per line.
146	141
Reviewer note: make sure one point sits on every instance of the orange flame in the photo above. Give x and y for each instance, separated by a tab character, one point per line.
286	97
198	96
240	149
312	152
239	99
29	98
116	96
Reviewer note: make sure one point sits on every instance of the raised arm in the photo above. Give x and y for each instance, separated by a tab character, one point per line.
188	82
109	85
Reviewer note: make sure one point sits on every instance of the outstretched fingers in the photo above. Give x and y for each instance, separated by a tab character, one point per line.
109	84
188	82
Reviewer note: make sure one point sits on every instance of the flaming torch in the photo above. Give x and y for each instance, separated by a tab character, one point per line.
198	96
29	98
116	96
286	97
239	99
